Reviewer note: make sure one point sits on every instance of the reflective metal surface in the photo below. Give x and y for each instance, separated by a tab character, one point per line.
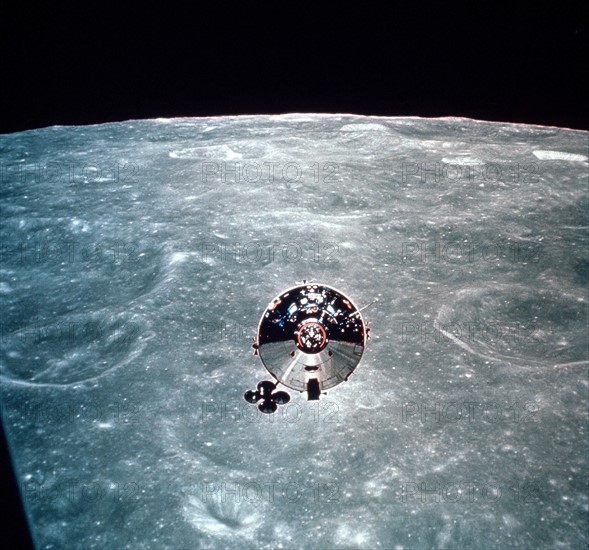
311	338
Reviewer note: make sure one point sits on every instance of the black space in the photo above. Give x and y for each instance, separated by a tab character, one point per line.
13	523
86	64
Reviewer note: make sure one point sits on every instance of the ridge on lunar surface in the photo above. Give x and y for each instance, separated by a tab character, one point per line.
138	257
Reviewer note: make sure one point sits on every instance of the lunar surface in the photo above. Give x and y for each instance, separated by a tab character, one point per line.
138	257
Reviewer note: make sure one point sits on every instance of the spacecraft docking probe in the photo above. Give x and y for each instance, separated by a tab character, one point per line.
310	338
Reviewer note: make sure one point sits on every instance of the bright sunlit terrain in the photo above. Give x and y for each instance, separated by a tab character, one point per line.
137	259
